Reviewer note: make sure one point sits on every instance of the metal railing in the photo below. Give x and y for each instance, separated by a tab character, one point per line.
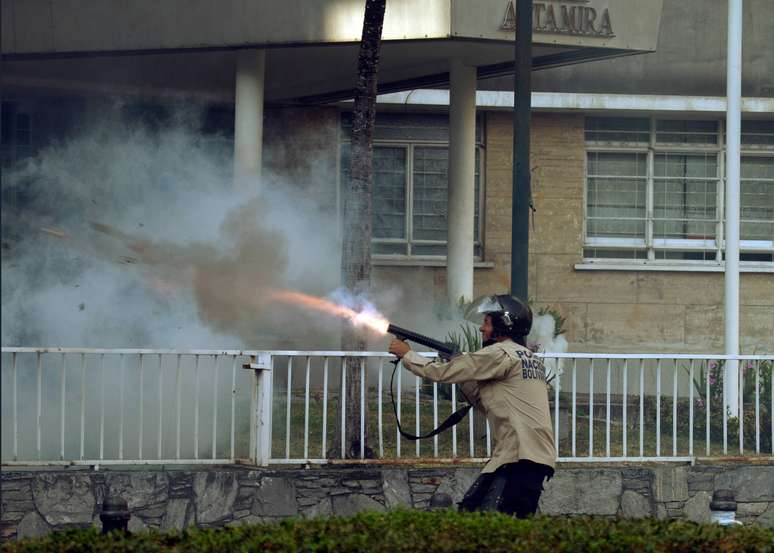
128	406
675	405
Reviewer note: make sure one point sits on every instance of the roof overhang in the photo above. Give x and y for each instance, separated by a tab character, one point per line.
311	44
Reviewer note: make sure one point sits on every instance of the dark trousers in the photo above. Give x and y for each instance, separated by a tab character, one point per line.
513	489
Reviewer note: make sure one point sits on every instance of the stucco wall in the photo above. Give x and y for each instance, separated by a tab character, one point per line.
689	58
37	502
634	311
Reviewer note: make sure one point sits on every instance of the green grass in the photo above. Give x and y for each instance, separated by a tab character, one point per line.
652	445
389	428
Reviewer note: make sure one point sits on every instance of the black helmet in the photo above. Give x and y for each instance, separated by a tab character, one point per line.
510	316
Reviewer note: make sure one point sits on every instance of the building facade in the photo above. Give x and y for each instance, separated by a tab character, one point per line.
627	154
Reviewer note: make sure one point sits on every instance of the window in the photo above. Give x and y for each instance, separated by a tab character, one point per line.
410	192
16	135
655	190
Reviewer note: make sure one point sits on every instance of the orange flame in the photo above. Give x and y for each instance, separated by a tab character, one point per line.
373	321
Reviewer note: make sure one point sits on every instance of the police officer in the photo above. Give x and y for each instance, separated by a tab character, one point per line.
506	383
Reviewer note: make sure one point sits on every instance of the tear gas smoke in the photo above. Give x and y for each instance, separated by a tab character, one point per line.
124	237
127	237
542	338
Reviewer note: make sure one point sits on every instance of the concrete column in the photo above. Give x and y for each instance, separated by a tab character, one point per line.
733	161
248	116
462	159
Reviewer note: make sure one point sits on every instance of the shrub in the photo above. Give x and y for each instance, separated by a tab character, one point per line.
429	532
715	371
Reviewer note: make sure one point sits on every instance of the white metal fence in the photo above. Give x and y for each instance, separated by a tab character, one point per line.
127	406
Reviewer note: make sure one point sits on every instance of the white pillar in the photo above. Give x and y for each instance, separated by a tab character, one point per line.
733	130
462	160
248	115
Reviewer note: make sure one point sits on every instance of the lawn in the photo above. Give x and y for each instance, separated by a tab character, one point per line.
642	438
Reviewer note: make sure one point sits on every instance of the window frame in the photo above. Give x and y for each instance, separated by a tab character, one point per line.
14	149
408	229
649	244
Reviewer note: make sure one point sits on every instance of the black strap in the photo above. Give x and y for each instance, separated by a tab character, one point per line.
450	421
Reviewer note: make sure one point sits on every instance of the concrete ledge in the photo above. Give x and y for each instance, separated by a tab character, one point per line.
672	267
423	262
566	101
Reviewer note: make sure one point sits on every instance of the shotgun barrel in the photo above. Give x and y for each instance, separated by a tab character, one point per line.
444	349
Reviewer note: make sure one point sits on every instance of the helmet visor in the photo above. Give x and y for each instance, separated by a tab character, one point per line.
477	310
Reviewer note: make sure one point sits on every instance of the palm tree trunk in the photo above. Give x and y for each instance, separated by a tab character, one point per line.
356	253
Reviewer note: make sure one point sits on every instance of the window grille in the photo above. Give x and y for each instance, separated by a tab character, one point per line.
757	134
389	197
655	189
15	135
757	198
685	188
617	187
410	189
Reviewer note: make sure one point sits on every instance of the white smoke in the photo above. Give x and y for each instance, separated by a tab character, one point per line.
178	237
543	338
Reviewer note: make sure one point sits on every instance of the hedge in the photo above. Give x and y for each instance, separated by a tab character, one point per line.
428	532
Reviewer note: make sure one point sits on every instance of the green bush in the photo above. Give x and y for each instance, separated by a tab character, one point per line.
428	532
715	371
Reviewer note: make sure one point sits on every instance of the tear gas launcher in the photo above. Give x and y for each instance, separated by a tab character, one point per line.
445	350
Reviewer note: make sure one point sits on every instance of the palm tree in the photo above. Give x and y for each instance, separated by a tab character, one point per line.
356	250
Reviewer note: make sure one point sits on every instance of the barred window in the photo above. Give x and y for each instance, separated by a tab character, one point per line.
15	135
410	189
757	198
389	197
685	188
655	189
617	187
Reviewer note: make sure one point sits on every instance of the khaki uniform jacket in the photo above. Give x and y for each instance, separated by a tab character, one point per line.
507	383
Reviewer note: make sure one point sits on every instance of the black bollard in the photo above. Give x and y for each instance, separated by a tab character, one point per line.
440	501
723	508
115	515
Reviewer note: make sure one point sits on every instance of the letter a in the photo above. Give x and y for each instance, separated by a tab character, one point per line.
606	28
509	21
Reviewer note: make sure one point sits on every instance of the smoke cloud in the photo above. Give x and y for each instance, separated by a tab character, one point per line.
131	235
125	236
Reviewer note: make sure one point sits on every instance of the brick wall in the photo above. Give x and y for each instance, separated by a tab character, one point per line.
605	310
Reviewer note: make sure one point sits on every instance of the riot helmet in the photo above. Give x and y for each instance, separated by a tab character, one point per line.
510	316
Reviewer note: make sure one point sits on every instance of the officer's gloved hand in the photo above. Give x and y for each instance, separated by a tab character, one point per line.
399	348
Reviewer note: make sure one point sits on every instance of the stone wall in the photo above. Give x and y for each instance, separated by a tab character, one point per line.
38	501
